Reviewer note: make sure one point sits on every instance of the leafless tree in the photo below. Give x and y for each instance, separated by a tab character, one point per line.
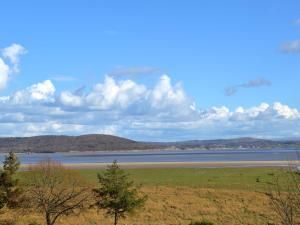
285	197
55	191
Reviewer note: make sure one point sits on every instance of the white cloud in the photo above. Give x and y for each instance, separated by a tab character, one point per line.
251	113
216	113
127	108
4	73
129	97
13	53
105	96
285	111
69	99
112	94
49	127
40	92
164	95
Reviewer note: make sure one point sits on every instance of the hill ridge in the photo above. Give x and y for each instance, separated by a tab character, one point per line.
105	142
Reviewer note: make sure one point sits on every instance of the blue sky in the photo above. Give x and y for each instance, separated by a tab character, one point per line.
100	64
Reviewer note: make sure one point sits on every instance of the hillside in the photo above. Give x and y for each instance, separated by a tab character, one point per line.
93	142
100	142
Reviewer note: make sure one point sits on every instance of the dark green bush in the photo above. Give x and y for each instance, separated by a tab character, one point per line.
203	222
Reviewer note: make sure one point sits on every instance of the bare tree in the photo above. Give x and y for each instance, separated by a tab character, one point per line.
55	191
285	197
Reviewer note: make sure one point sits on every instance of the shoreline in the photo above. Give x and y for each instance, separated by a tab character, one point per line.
170	165
156	150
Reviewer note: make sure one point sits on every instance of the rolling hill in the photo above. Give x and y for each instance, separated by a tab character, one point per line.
101	142
93	142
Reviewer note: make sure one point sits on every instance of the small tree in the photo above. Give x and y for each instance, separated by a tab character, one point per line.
10	192
55	191
11	163
117	194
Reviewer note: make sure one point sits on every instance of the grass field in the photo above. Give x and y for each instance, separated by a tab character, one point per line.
231	196
253	179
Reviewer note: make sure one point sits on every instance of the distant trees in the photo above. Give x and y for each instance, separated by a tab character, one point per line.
55	191
10	192
117	194
285	198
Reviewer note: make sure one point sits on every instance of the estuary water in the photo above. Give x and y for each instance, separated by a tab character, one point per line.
162	156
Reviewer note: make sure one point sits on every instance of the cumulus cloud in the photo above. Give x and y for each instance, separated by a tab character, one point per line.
259	82
12	54
123	107
165	96
111	94
69	99
40	92
130	97
291	47
133	71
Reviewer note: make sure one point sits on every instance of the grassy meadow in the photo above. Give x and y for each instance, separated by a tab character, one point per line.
231	196
251	179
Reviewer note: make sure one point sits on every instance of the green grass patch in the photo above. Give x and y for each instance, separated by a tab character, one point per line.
254	179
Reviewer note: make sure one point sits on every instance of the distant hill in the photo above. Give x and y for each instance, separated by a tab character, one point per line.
93	142
101	142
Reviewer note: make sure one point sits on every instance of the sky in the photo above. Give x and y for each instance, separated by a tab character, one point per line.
150	70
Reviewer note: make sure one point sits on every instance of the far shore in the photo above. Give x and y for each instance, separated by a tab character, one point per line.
153	165
167	150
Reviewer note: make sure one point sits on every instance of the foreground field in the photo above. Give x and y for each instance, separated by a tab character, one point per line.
179	196
180	205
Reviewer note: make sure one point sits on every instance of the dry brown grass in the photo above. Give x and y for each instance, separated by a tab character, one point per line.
177	205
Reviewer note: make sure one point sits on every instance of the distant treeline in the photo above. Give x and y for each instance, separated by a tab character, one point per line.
99	142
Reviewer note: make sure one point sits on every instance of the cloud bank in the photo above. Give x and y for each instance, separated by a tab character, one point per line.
130	109
124	107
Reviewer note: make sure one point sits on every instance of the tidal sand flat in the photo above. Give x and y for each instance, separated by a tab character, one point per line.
160	165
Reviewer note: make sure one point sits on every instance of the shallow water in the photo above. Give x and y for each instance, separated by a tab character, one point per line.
162	156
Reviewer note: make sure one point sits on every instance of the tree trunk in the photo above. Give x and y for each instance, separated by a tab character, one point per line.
116	218
48	219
